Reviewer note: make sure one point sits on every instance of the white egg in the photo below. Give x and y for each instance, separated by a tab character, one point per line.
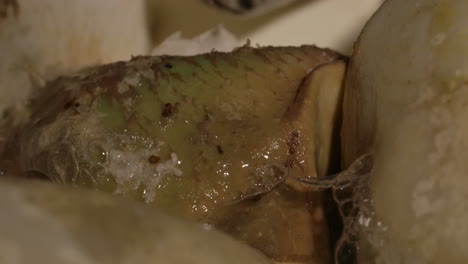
40	40
406	102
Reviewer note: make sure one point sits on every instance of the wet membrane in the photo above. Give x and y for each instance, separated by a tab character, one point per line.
351	193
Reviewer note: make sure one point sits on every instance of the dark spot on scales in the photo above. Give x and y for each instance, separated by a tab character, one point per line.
169	109
154	159
220	149
71	103
246	4
293	142
6	5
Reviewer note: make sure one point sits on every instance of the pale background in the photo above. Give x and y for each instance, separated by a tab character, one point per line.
326	23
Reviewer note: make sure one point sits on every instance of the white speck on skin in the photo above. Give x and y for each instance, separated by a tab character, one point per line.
127	168
207	226
364	221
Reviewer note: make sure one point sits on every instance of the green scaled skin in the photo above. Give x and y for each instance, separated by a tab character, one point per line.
193	135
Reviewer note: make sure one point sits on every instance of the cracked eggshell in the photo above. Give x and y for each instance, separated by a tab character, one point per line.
406	102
